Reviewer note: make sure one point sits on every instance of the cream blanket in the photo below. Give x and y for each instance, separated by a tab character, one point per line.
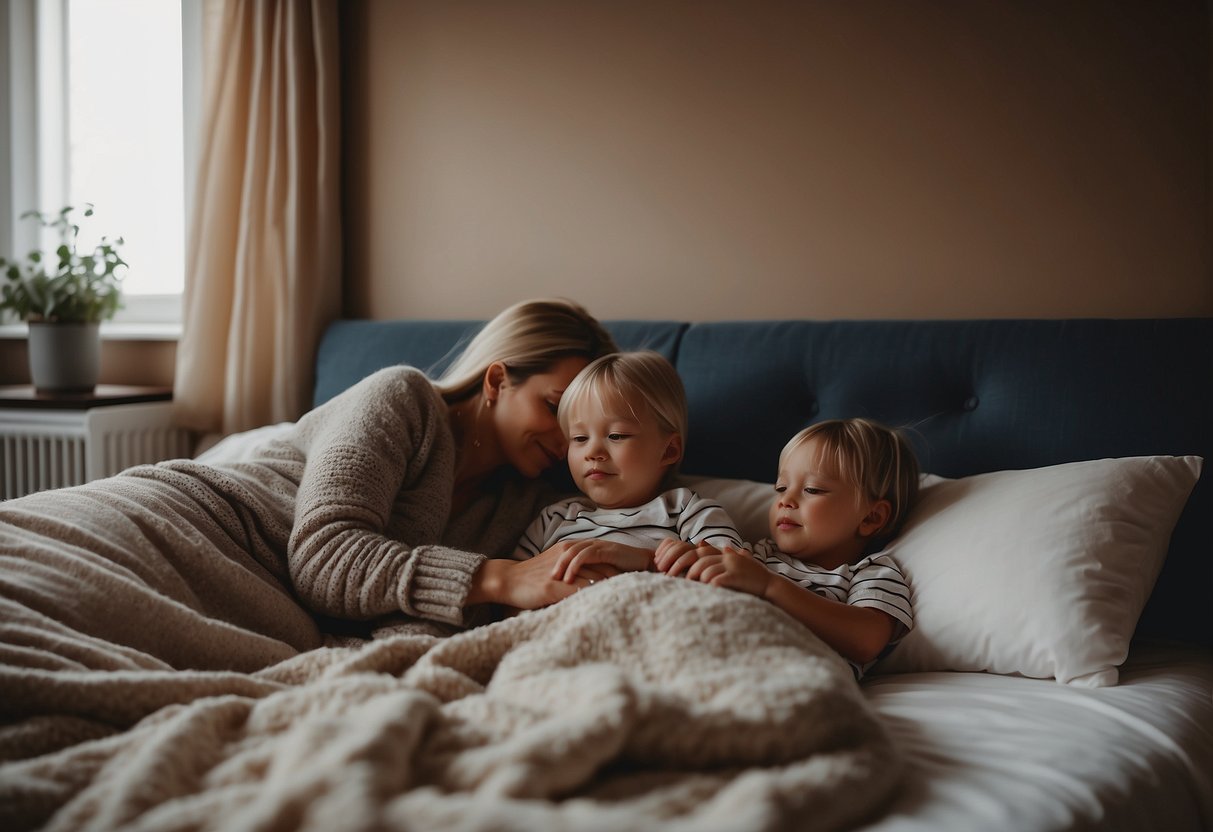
645	702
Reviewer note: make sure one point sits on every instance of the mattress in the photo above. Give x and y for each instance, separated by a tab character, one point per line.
1012	753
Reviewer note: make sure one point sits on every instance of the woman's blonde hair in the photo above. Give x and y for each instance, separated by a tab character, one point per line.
873	458
629	376
529	337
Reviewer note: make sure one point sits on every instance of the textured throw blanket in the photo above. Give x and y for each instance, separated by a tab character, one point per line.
644	702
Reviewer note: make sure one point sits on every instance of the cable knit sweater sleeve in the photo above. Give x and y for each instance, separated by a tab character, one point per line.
373	501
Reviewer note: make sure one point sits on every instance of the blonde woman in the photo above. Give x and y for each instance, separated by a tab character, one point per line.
387	501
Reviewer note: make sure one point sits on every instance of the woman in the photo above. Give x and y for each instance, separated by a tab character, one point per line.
387	500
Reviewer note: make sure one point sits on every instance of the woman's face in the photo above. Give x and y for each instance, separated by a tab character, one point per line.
524	415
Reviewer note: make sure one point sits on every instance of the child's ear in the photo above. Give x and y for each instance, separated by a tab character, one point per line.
673	450
876	518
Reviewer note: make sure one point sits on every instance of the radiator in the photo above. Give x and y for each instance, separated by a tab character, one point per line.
41	449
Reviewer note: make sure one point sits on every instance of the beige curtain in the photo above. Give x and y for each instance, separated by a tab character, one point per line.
263	269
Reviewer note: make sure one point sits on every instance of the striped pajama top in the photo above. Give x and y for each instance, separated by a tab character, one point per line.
874	581
678	514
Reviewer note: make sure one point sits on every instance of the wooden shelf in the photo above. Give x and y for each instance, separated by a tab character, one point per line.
25	396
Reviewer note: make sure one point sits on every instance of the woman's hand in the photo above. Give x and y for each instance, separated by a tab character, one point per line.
574	558
733	569
528	584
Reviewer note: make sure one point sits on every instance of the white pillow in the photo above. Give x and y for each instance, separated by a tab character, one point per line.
238	447
1041	572
747	502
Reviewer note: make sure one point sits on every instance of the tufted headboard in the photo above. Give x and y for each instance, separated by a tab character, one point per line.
981	395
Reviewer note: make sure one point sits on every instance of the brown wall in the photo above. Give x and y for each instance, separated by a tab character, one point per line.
778	159
755	159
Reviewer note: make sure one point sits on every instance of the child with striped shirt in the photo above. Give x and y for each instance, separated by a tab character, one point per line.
843	491
625	417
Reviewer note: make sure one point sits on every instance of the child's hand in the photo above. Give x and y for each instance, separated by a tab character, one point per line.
732	569
674	557
611	558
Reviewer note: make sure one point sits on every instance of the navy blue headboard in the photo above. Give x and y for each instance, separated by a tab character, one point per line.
981	395
353	349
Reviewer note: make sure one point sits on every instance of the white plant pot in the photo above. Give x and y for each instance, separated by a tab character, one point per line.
64	358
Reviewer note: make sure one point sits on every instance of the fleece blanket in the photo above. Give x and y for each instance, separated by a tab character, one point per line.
643	702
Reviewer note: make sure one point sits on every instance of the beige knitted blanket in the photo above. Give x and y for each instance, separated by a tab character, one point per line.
644	702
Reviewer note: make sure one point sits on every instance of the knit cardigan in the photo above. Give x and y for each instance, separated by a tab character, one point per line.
228	566
372	526
354	504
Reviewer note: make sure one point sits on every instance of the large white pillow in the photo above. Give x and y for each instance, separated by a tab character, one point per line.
1040	572
238	447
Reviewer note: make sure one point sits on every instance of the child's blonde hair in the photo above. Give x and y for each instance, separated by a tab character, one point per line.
873	458
628	376
529	337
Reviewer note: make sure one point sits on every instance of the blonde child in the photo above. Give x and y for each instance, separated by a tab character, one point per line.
625	419
843	490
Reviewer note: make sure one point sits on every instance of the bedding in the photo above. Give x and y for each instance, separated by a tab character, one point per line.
989	751
629	706
655	703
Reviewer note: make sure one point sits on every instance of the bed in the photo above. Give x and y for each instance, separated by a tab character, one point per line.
1060	674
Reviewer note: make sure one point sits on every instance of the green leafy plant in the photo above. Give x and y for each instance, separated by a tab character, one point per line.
70	286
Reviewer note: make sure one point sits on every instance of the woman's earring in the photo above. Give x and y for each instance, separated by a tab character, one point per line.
476	436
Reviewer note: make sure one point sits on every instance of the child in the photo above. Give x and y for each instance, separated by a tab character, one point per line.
843	491
625	417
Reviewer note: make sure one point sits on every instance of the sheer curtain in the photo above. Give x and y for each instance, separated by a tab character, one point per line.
264	250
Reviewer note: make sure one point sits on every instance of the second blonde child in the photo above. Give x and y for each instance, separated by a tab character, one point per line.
843	490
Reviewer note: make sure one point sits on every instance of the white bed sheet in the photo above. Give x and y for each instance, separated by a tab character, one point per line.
1010	753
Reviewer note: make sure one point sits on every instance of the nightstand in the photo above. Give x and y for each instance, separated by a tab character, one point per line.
53	441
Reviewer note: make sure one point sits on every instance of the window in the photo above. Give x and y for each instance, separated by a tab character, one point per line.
113	90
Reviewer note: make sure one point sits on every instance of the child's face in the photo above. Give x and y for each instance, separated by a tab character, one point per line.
618	458
815	516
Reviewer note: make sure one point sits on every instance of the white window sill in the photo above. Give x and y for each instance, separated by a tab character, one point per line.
110	331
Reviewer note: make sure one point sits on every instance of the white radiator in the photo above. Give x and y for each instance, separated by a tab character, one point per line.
42	449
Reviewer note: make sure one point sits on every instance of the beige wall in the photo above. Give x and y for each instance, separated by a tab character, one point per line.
755	159
778	159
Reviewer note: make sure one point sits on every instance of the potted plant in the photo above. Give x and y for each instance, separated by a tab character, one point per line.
64	297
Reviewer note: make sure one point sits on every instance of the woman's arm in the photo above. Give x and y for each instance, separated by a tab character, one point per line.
526	584
378	480
373	501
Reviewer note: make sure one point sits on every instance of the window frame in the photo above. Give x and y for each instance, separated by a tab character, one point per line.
33	140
